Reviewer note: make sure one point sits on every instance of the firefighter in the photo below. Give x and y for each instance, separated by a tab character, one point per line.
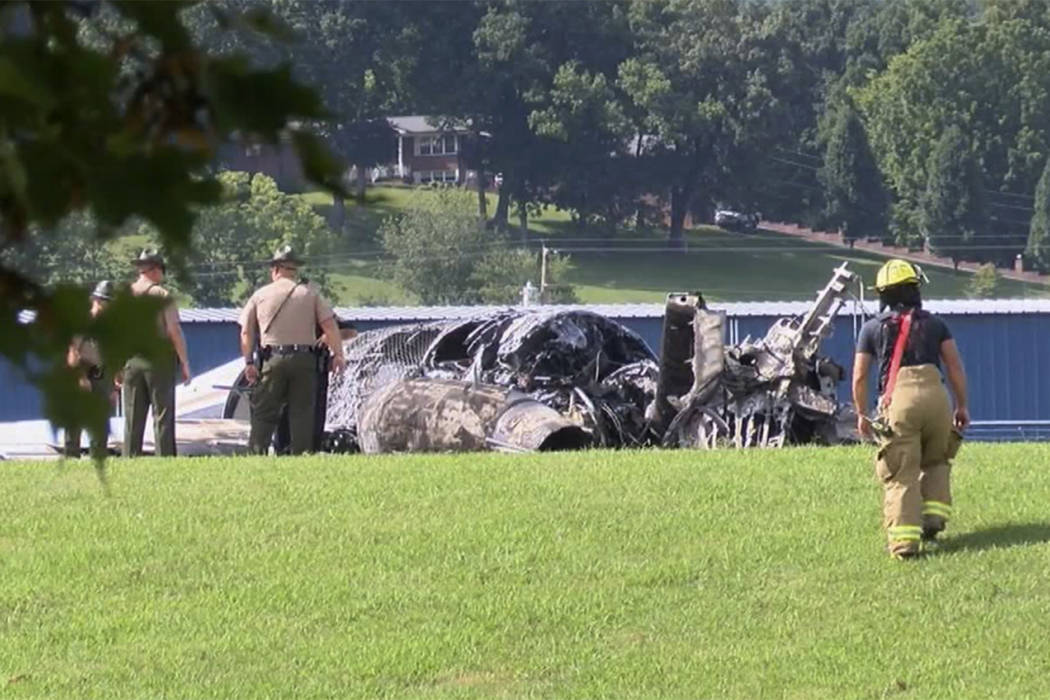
917	430
84	355
148	383
286	313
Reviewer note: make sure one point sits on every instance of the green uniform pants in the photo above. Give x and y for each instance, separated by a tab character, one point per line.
102	386
147	384
914	464
291	380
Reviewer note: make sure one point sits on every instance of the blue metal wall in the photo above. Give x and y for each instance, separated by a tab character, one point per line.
1009	377
209	345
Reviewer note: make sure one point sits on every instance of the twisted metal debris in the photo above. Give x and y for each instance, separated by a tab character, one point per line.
769	392
516	379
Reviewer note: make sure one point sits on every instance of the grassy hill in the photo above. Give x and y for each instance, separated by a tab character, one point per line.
585	575
637	267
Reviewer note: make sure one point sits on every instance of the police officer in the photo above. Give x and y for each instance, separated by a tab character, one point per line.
150	383
917	429
286	313
84	355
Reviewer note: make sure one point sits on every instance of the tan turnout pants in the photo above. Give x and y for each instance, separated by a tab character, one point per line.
914	464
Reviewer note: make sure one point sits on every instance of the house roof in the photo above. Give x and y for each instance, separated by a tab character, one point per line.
423	124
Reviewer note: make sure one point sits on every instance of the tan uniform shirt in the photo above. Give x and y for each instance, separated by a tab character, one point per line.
169	317
297	322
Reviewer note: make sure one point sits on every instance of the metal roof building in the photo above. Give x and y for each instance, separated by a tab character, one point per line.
1002	343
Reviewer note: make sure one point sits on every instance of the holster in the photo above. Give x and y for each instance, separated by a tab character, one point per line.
323	359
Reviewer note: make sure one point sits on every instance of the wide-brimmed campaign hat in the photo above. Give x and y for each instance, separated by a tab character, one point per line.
148	257
285	255
103	290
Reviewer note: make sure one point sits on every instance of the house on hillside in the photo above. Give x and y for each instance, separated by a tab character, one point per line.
429	152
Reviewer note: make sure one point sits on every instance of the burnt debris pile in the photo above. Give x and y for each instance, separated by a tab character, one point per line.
543	379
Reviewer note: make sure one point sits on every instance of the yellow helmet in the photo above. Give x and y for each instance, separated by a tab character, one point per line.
898	271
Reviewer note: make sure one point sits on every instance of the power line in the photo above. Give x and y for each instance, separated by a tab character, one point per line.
800	154
1011	194
807	166
997	205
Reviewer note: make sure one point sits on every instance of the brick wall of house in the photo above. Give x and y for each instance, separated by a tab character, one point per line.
279	162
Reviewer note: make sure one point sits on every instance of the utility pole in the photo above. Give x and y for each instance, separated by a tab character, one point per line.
543	273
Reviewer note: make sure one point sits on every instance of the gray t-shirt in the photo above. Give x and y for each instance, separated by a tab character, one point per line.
879	335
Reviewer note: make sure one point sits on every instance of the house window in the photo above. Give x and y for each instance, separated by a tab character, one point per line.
441	145
430	176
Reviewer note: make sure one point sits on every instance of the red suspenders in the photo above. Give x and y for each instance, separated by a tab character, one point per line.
895	360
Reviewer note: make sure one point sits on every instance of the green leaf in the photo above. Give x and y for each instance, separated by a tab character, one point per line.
14	83
52	180
129	326
66	313
258	102
319	165
265	22
159	187
160	19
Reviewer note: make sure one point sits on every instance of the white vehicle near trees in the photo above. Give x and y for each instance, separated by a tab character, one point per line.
736	221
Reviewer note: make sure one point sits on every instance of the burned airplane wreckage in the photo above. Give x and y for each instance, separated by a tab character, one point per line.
549	379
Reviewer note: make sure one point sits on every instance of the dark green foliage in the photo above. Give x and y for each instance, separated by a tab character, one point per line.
68	252
435	246
952	213
710	88
443	255
855	197
989	75
985	282
233	240
1038	249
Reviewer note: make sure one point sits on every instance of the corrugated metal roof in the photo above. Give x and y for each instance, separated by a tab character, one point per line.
212	315
737	309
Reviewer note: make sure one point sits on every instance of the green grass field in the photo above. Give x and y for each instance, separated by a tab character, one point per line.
726	266
761	266
587	575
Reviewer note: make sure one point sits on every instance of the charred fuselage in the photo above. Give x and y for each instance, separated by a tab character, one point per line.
571	378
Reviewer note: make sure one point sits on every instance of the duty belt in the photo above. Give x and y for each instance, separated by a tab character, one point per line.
287	349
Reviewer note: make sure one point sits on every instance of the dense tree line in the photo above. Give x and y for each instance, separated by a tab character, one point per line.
825	112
